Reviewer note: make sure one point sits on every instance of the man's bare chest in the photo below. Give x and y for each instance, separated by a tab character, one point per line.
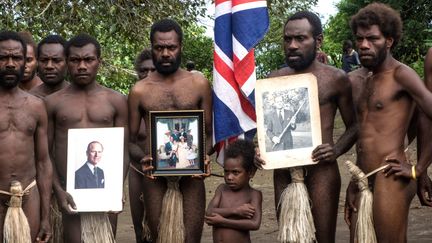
17	119
170	99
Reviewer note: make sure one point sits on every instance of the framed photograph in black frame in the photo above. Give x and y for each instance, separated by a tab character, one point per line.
177	141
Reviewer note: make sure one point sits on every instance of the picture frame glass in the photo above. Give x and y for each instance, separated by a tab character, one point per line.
177	142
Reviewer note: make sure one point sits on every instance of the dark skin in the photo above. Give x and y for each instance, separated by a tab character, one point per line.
386	94
30	79
424	184
83	104
180	90
236	207
136	179
24	144
52	70
334	92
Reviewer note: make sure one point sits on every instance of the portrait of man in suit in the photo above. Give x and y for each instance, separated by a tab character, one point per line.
90	175
280	123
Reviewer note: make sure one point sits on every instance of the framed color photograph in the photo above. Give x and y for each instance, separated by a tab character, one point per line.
177	142
95	168
288	120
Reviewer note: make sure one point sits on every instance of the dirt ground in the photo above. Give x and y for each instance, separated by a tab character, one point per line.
420	218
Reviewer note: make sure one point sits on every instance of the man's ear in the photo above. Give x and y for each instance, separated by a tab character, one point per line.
389	42
319	40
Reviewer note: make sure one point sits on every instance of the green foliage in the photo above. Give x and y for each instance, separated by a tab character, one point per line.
269	52
416	17
121	26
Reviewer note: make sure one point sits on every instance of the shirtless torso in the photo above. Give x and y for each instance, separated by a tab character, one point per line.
180	91
24	153
83	104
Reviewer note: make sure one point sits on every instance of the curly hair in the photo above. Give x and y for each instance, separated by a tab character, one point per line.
312	18
166	25
144	55
387	19
246	150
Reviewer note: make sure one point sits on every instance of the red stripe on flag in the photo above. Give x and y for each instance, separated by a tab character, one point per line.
245	67
221	1
228	75
238	2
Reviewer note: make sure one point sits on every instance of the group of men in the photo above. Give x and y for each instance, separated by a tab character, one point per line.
376	103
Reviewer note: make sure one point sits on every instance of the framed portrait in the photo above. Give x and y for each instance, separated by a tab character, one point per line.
288	120
177	142
95	168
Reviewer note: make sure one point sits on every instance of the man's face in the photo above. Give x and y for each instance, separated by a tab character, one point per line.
83	64
279	103
52	63
166	52
12	63
372	46
94	154
31	64
144	68
299	45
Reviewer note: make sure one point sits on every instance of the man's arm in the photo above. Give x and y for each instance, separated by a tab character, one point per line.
253	223
326	152
43	171
64	199
121	120
207	106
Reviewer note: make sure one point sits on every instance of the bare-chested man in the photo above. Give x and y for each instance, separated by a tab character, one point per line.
83	104
24	153
302	38
30	79
424	184
171	88
385	94
51	66
143	66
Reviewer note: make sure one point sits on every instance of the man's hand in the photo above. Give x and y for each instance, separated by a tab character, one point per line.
275	140
44	232
350	208
147	167
207	169
323	153
398	168
258	161
424	189
214	219
65	202
246	211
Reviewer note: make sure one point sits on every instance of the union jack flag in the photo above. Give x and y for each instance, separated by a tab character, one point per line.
239	26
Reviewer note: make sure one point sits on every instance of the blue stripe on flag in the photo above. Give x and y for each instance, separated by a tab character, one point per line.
244	20
227	124
223	38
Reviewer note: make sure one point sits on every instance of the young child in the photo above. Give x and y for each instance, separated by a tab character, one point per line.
236	207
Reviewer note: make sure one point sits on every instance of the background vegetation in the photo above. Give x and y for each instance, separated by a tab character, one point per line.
122	28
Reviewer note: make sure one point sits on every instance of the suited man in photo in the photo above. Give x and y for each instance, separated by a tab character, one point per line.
90	175
280	120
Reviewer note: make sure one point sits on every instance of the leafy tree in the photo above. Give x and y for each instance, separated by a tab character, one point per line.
269	52
417	20
121	26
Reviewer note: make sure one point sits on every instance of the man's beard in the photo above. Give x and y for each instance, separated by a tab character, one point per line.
303	62
29	78
175	64
377	60
11	83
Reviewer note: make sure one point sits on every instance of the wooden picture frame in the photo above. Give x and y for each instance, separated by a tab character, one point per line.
96	188
288	120
177	142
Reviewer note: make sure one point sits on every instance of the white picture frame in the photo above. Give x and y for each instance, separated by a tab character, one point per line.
108	198
299	96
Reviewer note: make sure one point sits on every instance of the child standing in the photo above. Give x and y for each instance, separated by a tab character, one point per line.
236	207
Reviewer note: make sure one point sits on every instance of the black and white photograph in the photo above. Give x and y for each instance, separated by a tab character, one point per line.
288	119
177	142
95	168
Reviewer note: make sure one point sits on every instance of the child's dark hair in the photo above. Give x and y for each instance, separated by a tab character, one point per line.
245	149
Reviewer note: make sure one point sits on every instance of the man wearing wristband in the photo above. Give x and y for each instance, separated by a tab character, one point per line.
385	93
